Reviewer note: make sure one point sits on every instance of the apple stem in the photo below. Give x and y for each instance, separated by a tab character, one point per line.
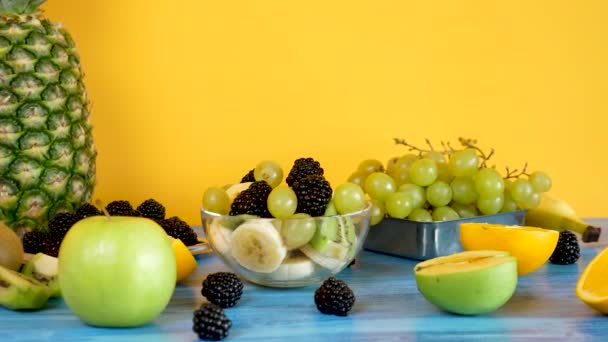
99	203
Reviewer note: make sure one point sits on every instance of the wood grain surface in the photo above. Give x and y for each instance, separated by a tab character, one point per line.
388	308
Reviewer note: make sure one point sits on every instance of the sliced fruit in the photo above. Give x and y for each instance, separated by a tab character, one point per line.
592	285
44	268
11	249
20	292
184	260
258	246
332	244
531	246
235	189
293	268
220	237
468	283
231	222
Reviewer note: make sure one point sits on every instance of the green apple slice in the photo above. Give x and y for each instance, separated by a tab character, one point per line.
468	283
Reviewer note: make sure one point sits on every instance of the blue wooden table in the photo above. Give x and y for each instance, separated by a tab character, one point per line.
388	308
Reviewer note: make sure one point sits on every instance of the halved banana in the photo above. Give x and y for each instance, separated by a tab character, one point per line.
258	247
220	237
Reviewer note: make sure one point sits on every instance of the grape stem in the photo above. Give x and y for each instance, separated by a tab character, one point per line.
516	173
472	143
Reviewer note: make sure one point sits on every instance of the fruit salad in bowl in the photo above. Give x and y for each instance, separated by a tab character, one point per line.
286	235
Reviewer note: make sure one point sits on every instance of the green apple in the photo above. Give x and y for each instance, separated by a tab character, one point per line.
116	271
468	283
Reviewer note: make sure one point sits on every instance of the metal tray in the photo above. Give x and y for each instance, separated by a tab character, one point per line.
427	240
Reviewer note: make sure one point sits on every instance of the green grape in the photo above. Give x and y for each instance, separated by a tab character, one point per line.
434	155
398	205
416	193
298	230
444	173
464	163
216	200
423	172
464	210
508	204
540	181
358	177
521	190
376	212
508	182
439	194
379	185
269	171
489	182
463	190
349	198
400	178
532	202
330	209
490	204
444	214
391	165
406	160
420	215
371	165
282	202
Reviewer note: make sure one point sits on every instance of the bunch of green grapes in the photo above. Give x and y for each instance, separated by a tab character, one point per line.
432	185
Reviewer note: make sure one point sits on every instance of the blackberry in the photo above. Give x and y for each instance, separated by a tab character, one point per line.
313	193
567	250
334	297
151	209
179	229
223	289
210	322
87	210
61	223
252	201
51	246
33	241
302	168
120	208
248	177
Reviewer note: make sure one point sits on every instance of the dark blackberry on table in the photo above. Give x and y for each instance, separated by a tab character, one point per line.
313	193
210	323
87	210
151	209
334	297
303	167
223	289
51	246
33	241
567	250
120	208
252	201
61	223
179	229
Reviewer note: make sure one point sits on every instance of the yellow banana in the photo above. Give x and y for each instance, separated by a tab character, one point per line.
555	213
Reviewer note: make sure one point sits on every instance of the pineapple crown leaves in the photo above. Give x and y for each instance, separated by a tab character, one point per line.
19	7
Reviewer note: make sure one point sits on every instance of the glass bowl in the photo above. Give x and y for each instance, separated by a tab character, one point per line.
288	252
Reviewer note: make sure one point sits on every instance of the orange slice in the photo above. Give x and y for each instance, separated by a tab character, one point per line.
531	246
592	285
185	262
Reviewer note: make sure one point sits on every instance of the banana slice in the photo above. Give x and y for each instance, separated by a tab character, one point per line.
221	237
331	263
258	247
235	189
293	268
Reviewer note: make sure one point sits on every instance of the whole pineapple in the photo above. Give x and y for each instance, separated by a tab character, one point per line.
47	154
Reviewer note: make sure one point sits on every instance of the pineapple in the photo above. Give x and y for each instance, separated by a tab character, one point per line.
47	153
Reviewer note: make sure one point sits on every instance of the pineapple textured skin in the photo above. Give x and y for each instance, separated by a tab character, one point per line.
47	152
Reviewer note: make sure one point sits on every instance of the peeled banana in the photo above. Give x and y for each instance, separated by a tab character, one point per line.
557	214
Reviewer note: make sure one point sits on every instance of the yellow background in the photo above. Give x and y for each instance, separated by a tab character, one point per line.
189	94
